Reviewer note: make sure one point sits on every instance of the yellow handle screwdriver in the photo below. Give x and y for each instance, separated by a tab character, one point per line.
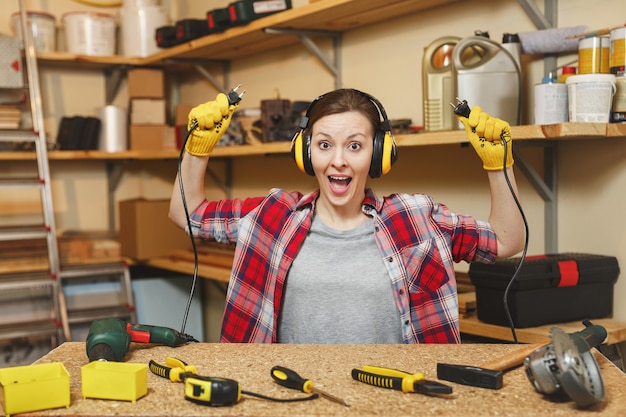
290	379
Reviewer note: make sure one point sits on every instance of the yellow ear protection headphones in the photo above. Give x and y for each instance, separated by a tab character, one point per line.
383	157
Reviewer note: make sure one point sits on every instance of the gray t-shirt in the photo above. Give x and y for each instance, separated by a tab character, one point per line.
338	290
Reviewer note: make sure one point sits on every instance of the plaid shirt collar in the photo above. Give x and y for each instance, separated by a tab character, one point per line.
370	200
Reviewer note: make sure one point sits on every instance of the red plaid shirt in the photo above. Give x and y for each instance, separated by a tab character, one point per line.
418	239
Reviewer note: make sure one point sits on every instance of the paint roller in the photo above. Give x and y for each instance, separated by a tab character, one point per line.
551	41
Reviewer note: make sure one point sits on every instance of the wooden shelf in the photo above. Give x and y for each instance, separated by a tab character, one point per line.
561	132
251	39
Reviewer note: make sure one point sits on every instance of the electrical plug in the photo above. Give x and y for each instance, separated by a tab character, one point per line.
461	108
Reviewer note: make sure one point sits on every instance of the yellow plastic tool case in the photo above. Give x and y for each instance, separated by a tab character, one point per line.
114	380
35	387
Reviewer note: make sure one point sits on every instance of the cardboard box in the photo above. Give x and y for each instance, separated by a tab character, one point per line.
145	83
146	137
181	117
147	111
147	232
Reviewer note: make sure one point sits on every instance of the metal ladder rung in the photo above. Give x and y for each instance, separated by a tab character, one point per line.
25	282
18	136
87	315
30	182
92	270
26	329
23	232
109	272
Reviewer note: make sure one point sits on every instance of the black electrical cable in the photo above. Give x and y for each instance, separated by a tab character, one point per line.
523	256
233	98
463	109
280	400
187	217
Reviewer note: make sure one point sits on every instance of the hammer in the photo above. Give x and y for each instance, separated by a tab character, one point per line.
490	374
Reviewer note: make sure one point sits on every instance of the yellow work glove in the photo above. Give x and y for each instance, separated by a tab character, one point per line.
213	119
486	133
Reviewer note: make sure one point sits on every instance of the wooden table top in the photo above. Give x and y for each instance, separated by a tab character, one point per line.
329	367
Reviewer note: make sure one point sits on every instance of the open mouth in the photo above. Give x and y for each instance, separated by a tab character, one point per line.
339	181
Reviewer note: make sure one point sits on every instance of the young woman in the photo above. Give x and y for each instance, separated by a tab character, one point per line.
342	264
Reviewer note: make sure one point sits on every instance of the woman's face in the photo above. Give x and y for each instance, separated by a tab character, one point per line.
341	153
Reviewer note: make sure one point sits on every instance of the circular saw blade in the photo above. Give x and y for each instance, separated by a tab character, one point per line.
578	373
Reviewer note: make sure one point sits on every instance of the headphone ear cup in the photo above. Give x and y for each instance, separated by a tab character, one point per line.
301	152
384	154
296	150
377	154
389	153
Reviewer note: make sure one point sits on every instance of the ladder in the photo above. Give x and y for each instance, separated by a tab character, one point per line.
114	300
26	291
18	288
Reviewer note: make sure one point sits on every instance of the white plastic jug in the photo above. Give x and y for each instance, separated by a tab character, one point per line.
437	85
488	74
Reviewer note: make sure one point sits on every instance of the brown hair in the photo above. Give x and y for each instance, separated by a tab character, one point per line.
341	101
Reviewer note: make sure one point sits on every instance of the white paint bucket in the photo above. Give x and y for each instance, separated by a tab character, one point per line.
550	103
138	26
90	33
590	97
43	26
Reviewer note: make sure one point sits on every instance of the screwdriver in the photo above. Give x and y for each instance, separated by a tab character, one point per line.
290	379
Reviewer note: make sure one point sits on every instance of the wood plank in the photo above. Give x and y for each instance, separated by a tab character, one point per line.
616	130
471	325
561	132
467	302
206	257
212	272
250	39
325	15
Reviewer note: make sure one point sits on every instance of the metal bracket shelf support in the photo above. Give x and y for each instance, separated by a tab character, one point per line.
546	187
332	64
113	80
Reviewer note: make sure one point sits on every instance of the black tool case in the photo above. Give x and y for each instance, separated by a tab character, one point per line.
548	289
245	11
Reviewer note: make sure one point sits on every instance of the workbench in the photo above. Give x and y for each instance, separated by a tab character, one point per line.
329	367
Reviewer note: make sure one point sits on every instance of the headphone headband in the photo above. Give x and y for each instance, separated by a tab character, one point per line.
384	154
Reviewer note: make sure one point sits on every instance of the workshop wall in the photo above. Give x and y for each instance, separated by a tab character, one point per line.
384	60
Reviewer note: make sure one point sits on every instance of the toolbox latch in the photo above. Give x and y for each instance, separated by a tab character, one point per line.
568	276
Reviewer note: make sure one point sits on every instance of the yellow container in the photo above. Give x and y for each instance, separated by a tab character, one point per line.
35	387
114	380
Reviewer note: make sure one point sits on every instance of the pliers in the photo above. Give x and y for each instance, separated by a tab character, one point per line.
174	369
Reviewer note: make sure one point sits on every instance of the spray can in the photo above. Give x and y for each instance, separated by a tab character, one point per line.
488	74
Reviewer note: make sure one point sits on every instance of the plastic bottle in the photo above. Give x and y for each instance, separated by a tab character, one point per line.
486	73
511	42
